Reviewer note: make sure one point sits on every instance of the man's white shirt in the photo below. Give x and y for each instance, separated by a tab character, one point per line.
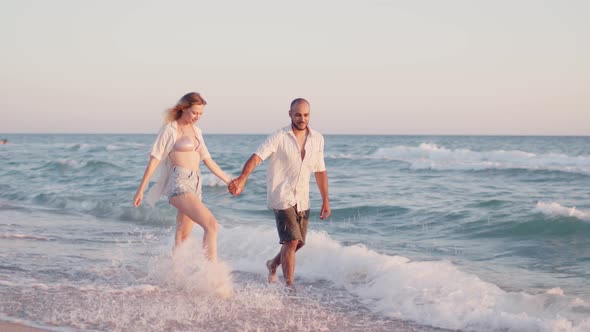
287	180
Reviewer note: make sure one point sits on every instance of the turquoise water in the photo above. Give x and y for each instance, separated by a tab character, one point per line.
427	233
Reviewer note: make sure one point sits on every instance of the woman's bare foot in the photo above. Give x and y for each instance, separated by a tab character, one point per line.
272	271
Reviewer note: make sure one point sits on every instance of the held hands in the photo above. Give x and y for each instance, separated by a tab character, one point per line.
236	186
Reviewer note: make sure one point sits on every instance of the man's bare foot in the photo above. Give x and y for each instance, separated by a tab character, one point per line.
272	271
291	289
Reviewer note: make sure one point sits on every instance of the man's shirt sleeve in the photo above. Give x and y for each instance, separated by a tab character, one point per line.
269	146
320	165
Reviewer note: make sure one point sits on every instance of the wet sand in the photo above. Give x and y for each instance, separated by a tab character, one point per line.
14	327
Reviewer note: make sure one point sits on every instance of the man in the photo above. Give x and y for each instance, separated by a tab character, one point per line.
295	152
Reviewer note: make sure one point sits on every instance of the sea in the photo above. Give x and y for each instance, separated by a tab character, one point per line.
427	233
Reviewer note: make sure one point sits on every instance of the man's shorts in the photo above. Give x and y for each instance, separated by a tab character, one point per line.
292	225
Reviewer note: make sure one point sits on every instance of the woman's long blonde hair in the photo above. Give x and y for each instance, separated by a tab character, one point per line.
188	100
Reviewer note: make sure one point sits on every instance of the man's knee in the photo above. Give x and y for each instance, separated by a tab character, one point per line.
299	245
291	244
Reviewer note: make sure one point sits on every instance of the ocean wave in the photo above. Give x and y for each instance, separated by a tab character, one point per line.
99	147
60	165
104	208
114	147
433	293
23	237
210	180
8	206
99	165
557	223
366	211
554	209
435	157
78	147
63	164
124	146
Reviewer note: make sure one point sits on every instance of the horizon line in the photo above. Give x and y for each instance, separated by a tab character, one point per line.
330	134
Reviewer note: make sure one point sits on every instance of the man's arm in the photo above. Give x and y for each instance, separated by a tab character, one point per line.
237	185
321	178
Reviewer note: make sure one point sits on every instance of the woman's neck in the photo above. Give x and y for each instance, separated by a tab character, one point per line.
183	123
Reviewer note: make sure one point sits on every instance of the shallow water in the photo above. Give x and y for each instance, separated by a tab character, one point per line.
427	233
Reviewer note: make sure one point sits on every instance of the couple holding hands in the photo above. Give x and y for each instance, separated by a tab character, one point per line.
295	152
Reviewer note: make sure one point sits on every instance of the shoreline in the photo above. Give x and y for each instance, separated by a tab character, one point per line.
19	327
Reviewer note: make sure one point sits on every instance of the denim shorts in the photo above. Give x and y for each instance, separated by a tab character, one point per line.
183	181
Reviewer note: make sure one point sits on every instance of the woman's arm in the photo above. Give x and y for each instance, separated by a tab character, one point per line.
215	169
237	185
149	171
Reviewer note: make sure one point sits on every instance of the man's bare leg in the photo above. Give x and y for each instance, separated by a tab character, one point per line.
272	265
288	261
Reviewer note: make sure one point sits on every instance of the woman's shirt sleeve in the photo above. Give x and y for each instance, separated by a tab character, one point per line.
163	142
203	151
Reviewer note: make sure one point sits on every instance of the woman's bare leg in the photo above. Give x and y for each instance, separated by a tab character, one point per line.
184	226
191	206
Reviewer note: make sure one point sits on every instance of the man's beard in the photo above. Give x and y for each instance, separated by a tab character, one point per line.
299	126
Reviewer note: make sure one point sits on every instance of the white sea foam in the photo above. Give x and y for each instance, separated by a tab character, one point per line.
435	293
40	286
177	291
181	292
123	146
433	156
555	291
189	270
114	147
130	290
78	146
210	180
555	209
8	283
69	163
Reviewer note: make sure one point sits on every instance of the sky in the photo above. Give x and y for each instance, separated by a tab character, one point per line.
367	67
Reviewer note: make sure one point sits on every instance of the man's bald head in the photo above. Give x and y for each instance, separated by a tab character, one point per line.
298	102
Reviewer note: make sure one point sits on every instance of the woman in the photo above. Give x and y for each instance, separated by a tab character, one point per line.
180	148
